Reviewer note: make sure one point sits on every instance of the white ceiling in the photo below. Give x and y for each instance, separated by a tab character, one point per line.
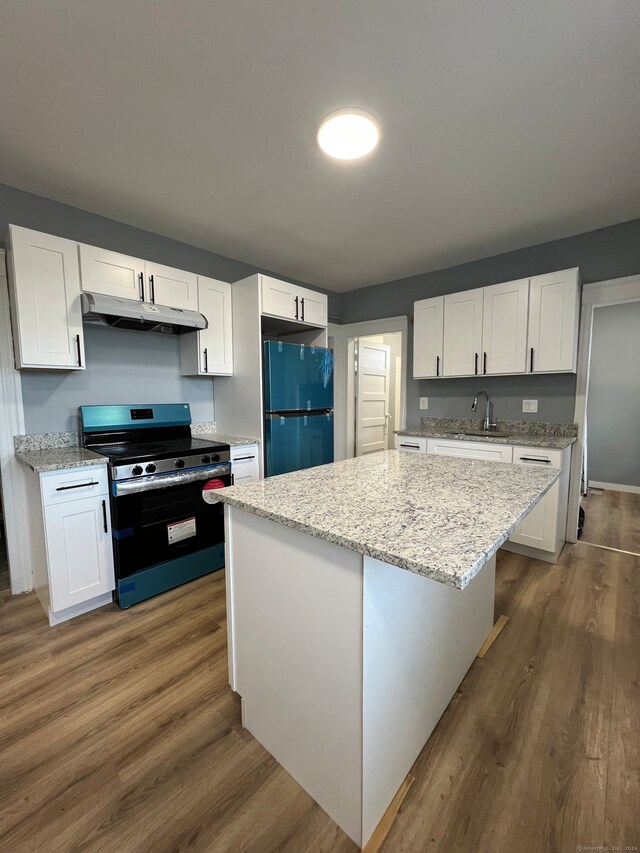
504	124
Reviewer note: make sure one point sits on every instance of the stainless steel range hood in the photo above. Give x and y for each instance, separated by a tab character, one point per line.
143	316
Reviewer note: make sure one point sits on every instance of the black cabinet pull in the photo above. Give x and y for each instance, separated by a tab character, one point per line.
141	280
539	461
413	446
476	365
296	300
78	350
242	458
104	516
531	359
77	486
302	311
152	288
437	365
206	360
484	362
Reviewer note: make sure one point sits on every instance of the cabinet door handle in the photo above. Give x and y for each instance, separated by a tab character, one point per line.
104	516
531	369
476	365
296	300
437	365
539	461
206	360
242	458
78	350
77	486
484	362
141	280
302	309
152	288
412	446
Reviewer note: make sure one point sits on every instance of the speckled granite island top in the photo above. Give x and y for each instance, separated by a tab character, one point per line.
59	458
438	516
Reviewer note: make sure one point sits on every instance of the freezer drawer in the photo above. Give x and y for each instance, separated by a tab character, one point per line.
297	442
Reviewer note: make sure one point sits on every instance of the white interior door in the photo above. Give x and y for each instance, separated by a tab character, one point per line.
372	396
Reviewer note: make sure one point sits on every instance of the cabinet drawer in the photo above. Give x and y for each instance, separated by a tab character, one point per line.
411	444
537	456
74	483
470	450
245	464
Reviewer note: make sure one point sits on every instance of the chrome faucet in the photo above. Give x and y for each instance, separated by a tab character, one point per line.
488	423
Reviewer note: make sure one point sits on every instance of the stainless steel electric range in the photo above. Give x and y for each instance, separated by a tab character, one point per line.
166	529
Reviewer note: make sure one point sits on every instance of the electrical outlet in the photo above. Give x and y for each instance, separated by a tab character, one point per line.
529	405
424	402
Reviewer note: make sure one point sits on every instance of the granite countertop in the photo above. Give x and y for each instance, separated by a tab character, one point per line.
522	439
232	440
438	516
59	458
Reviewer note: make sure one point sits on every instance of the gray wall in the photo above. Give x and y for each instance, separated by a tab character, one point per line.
613	409
122	366
608	253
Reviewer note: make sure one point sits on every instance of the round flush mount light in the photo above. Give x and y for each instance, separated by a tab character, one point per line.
348	134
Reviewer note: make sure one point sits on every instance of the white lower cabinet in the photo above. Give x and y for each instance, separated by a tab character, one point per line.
71	538
544	528
245	463
470	449
411	444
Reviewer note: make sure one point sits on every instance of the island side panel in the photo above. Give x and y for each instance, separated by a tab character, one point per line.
296	608
420	638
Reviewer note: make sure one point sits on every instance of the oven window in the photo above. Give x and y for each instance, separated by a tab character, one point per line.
153	527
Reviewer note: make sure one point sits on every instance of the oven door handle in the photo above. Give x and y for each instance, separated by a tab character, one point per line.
166	481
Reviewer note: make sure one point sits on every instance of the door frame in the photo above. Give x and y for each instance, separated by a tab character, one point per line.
14	497
342	405
598	294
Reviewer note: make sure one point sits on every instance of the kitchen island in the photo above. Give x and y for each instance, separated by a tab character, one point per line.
358	595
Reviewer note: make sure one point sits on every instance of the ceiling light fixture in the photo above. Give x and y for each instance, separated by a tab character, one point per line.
348	134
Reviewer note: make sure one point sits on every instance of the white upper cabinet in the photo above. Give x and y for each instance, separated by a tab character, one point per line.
210	351
428	336
171	287
45	294
291	302
504	327
463	333
313	307
279	298
554	303
111	273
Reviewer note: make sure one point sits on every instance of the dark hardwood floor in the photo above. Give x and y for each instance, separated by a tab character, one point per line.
119	732
612	519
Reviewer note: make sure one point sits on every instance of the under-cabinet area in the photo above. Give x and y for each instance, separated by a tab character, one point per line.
528	326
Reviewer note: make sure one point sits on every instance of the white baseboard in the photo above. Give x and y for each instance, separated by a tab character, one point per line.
614	487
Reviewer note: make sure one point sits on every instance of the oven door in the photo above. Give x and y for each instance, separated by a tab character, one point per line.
161	518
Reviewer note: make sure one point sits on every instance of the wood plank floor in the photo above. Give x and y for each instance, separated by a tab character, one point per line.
612	519
119	733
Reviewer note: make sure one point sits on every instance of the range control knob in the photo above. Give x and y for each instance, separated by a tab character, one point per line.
215	457
205	460
150	468
136	470
179	463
